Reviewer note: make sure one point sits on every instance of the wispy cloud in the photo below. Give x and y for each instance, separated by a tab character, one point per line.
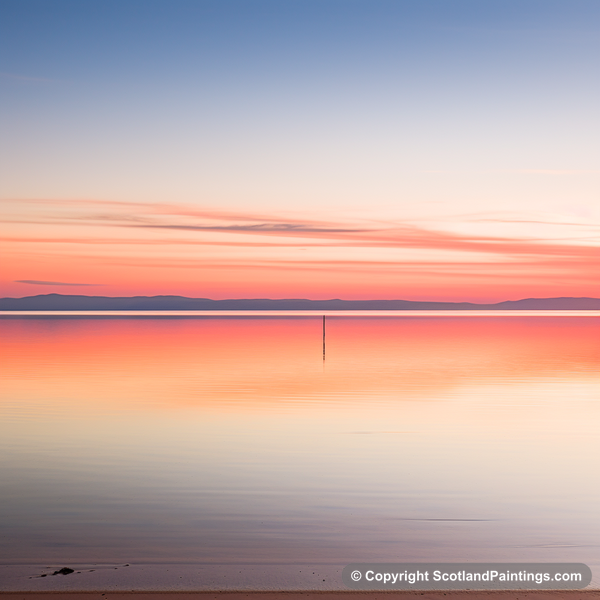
557	172
174	217
36	282
532	221
293	228
570	270
270	230
514	171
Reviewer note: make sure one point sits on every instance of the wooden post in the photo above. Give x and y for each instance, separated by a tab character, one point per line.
323	337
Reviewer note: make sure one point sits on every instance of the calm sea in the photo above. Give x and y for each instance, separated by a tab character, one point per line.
230	443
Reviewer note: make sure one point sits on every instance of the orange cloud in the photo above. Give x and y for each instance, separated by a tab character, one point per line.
146	247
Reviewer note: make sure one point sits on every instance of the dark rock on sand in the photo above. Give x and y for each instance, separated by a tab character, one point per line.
64	571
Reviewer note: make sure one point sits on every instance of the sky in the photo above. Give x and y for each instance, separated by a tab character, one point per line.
356	149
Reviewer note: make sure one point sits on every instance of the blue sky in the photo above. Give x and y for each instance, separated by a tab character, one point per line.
427	85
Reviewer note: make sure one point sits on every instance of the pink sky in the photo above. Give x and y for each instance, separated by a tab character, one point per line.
114	248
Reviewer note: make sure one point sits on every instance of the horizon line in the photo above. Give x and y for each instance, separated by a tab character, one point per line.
298	299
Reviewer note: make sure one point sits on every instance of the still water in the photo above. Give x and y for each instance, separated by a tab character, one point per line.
230	440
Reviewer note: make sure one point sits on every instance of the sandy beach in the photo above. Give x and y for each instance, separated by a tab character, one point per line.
408	595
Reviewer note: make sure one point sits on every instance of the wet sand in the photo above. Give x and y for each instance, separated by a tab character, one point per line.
350	595
224	582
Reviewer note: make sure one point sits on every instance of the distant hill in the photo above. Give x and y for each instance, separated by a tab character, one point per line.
74	303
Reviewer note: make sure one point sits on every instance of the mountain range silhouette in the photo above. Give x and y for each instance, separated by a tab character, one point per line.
80	302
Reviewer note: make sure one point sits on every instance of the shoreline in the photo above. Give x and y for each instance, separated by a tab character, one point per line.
259	581
311	595
313	313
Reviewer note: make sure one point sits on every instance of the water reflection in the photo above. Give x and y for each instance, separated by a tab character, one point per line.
227	440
